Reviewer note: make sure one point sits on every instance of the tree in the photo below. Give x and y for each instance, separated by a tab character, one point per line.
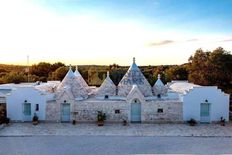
14	77
2	81
59	73
176	73
56	65
160	70
199	68
116	75
34	78
211	68
113	66
2	70
42	69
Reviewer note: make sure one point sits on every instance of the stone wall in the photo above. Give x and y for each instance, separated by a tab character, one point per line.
52	111
116	111
87	110
53	108
172	111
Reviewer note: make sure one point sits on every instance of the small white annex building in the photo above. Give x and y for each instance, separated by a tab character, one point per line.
133	99
203	103
25	100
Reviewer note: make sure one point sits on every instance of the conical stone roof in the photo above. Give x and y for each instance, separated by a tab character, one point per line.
134	76
77	73
72	86
159	83
159	88
67	80
80	79
107	87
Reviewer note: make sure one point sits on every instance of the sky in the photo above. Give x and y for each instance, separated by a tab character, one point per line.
103	32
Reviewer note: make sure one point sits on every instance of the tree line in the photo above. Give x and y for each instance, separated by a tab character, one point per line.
203	68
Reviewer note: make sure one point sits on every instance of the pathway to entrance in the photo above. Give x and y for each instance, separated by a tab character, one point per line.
202	130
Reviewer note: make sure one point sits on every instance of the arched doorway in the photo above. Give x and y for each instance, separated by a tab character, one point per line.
135	111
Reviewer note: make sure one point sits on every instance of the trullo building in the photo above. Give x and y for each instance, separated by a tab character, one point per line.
133	99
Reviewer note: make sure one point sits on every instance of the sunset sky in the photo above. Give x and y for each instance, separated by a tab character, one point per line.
104	32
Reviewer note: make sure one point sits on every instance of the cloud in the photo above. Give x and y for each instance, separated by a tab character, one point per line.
163	42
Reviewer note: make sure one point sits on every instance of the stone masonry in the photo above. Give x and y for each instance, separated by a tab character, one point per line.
171	111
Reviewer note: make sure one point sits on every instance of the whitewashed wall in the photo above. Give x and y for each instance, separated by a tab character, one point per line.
219	103
16	100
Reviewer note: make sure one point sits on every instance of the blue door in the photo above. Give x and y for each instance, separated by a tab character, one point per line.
135	111
205	112
65	112
27	112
